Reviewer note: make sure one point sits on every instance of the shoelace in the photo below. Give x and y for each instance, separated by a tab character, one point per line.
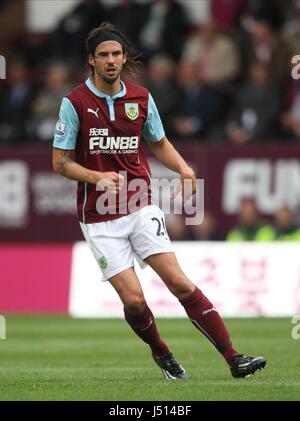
243	359
173	366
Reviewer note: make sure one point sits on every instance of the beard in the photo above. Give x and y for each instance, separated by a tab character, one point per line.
107	78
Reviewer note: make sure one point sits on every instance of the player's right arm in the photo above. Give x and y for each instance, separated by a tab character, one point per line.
64	164
64	144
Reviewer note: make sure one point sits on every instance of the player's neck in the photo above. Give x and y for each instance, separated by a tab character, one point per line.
110	89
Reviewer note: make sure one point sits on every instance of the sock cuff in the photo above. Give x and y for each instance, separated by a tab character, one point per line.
192	299
138	320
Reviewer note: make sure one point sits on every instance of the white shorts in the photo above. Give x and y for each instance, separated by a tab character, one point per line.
115	243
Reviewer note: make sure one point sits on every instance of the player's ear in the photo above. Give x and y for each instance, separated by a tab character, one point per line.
91	60
124	58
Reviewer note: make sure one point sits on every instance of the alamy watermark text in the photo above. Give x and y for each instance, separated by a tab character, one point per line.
2	67
2	327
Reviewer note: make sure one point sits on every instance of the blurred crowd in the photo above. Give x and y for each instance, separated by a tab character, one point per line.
226	80
250	226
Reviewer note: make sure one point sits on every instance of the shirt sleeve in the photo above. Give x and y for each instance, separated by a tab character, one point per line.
152	129
67	127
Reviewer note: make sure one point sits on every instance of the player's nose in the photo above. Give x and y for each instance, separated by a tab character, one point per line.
111	58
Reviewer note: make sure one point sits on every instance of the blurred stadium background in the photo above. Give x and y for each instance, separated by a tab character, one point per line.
220	72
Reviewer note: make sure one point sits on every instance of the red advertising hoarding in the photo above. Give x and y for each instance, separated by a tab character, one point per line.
37	205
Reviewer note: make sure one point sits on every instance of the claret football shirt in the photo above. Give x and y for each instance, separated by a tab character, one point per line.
107	134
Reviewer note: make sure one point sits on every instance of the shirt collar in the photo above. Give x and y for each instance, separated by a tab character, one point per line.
93	88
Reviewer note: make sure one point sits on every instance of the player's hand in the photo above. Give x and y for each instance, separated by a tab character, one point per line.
187	184
110	181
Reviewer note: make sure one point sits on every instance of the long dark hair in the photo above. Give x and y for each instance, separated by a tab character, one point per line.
132	64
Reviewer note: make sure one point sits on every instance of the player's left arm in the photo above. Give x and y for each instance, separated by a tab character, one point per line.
153	132
165	152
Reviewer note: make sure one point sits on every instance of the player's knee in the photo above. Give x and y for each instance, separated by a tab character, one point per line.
135	304
181	286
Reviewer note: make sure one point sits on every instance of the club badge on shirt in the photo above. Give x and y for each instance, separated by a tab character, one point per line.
132	111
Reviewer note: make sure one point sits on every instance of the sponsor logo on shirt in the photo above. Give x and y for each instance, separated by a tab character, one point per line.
101	142
60	128
89	110
132	111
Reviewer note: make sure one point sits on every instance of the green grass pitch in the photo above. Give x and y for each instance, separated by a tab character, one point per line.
60	358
